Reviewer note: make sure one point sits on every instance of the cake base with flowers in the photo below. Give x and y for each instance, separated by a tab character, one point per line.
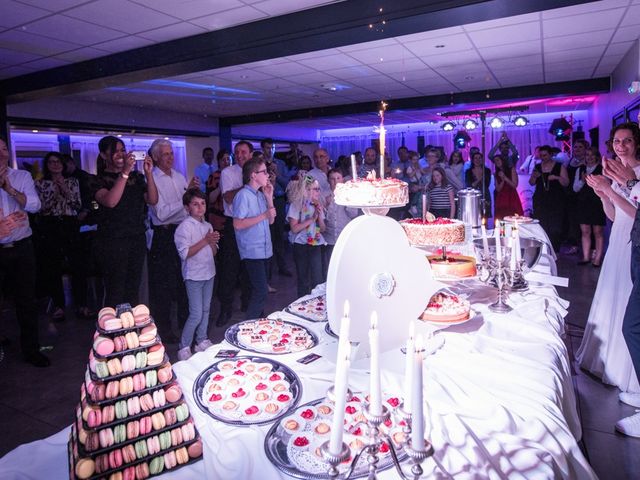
446	308
433	231
372	192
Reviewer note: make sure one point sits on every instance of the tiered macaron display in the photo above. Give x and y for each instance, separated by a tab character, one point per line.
266	335
132	420
294	443
313	309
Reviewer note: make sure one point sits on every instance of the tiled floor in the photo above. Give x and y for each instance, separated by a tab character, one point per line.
35	403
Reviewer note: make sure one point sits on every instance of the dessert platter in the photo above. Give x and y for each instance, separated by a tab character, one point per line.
372	192
247	390
445	308
432	231
313	309
272	336
293	443
519	219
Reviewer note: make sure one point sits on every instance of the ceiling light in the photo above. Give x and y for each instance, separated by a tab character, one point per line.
561	129
448	126
34	131
496	122
119	135
520	121
470	124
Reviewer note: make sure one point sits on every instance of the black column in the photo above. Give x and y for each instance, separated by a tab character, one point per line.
224	130
4	122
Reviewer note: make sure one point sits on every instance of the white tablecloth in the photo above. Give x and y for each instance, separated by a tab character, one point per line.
500	401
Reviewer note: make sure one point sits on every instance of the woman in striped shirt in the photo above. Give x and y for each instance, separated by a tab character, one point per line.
440	195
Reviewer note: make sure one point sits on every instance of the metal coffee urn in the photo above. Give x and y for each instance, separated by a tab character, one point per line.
469	207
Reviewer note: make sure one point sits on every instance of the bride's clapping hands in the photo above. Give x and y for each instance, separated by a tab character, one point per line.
600	185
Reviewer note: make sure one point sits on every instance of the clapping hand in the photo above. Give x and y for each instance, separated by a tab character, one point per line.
599	184
212	238
616	170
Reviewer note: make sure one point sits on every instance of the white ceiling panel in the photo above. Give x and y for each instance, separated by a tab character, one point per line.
584	8
511	51
529	79
284	69
14	71
47	62
281	7
313	78
452	43
381	54
269	84
446	60
109	12
625	34
405	65
524	62
172	32
54	5
73	30
352	73
572	64
16	57
474	85
21	41
229	18
505	35
587	39
127	42
14	13
188	9
574	54
455	74
244	76
502	22
568	74
618	48
331	62
314	54
632	17
81	54
415	75
603	20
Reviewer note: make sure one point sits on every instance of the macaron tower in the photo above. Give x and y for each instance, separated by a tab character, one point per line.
132	420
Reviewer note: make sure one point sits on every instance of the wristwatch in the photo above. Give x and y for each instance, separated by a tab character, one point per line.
632	183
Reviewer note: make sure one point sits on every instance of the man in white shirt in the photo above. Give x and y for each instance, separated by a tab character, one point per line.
165	278
17	260
321	161
230	266
206	168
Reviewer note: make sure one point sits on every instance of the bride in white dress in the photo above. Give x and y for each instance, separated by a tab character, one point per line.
603	350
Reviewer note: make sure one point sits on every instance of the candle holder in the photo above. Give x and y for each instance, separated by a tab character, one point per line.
496	272
371	450
331	394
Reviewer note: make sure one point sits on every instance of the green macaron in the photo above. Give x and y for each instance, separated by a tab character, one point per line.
141	449
119	433
152	378
102	370
182	412
157	465
141	359
165	440
121	409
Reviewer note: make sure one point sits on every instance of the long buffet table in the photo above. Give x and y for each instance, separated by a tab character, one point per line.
499	396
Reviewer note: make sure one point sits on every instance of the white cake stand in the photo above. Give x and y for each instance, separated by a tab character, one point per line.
374	267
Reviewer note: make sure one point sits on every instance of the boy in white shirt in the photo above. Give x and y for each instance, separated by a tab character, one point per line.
197	243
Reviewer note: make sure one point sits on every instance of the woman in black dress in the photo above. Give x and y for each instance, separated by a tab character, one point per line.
550	179
122	194
479	177
589	212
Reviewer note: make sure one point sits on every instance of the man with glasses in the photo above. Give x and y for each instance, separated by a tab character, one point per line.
253	212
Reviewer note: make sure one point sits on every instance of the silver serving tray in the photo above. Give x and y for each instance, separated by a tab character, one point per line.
293	311
289	376
331	333
275	447
231	336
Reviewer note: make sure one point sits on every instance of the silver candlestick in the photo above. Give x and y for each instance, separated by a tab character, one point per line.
494	271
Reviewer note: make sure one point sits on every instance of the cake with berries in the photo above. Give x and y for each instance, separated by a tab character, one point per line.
452	266
433	231
446	308
372	192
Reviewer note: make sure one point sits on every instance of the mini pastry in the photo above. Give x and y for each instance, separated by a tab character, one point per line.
127	320
182	456
195	449
142	471
188	432
156	466
85	468
103	346
170	460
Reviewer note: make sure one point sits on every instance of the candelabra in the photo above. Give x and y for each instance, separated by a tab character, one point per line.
504	274
375	440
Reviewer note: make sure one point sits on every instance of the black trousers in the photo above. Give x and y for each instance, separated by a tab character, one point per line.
277	234
18	265
231	270
308	260
121	261
165	279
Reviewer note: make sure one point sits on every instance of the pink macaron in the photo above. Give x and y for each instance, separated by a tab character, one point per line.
188	431
120	343
98	392
139	382
112	390
142	471
176	437
173	393
159	399
153	445
102	463
133	429
129	473
165	374
146	402
111	324
106	437
133	405
94	418
145	425
170	416
128	454
147	335
195	449
170	460
128	363
115	458
108	414
155	354
126	385
103	346
92	442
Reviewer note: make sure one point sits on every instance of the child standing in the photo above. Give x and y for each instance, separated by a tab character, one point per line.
306	221
440	195
197	243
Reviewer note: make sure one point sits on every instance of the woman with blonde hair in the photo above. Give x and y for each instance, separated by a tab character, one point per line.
306	221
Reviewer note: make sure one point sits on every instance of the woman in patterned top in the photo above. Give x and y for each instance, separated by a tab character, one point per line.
57	228
306	221
441	202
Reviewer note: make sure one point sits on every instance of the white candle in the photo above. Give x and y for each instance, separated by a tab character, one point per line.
424	207
408	367
517	247
496	235
485	241
513	259
382	166
417	417
375	395
354	170
343	337
340	395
